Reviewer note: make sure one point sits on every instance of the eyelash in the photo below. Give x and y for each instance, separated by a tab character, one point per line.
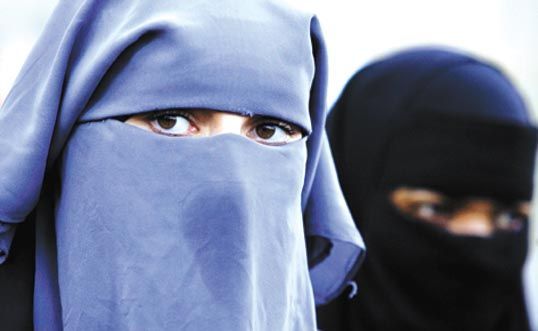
283	125
155	115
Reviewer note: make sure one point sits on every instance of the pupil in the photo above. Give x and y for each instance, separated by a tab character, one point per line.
166	122
265	131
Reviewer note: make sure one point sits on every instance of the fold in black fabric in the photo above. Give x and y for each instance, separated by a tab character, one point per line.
17	279
440	120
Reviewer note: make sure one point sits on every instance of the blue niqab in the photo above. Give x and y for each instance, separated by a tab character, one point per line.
136	231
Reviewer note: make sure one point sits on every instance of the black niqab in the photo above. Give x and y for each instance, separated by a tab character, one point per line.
445	121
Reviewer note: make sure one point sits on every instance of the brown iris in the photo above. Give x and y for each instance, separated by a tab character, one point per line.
265	131
166	122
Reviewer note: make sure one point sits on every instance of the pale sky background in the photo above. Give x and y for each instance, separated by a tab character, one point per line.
356	32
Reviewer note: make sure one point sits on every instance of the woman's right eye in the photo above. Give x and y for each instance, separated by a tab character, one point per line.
172	125
436	212
511	220
423	204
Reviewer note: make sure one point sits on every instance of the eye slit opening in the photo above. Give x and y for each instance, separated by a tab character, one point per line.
437	209
178	122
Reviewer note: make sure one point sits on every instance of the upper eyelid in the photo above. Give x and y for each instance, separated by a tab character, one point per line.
190	114
514	210
260	119
171	112
523	207
435	204
444	203
440	197
433	198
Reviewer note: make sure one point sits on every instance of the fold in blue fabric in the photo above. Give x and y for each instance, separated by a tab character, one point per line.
137	231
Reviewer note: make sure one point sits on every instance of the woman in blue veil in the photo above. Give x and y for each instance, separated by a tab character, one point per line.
141	230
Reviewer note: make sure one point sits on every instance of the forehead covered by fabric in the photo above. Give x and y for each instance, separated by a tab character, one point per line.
382	98
253	58
463	157
473	89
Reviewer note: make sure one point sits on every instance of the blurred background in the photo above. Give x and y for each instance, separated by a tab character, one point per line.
357	32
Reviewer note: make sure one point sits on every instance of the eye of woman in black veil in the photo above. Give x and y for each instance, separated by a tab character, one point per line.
436	152
474	216
202	123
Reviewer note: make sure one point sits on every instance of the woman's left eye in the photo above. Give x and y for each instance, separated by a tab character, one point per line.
172	125
270	133
510	220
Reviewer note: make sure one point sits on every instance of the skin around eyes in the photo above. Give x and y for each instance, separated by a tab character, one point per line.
204	123
466	216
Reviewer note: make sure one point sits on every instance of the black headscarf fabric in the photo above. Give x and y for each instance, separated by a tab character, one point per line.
445	121
17	281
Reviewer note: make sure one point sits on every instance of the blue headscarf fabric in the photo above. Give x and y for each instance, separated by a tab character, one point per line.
140	231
